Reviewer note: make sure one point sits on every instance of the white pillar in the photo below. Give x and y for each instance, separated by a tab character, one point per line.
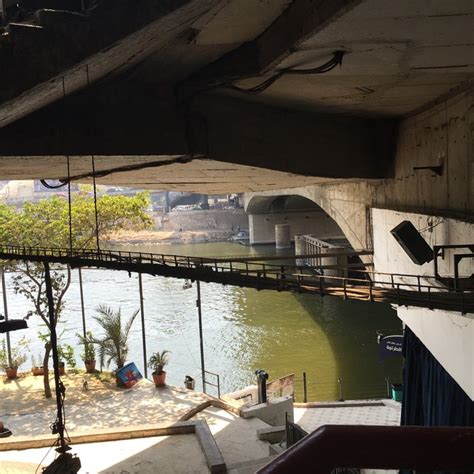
282	236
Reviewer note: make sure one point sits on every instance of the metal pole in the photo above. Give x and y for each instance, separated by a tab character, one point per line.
305	389
142	312
339	381
201	340
54	346
5	310
83	311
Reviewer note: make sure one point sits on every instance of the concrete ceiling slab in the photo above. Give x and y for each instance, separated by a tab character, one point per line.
400	56
199	175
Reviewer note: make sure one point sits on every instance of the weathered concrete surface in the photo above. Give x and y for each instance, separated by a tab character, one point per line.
273	412
217	128
440	135
400	58
59	55
262	226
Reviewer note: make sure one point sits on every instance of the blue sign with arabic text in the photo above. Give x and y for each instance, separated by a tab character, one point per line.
390	346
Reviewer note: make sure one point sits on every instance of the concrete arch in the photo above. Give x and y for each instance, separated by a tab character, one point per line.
304	216
352	216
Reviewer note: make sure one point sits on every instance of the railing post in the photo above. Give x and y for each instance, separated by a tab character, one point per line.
370	291
419	283
387	382
262	378
339	381
5	311
142	314
305	389
345	290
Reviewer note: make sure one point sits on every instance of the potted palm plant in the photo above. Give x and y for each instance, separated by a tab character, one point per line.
113	346
88	356
17	358
157	362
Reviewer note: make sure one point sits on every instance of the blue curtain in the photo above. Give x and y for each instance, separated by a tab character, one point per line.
431	397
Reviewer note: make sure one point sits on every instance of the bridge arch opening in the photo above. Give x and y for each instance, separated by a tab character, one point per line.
303	216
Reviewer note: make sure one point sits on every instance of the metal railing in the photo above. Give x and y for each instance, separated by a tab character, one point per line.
293	432
217	383
401	289
378	447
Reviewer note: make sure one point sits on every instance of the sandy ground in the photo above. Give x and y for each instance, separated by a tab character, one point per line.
25	411
162	237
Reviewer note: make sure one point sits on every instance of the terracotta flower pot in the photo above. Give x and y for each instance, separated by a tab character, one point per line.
11	372
90	366
159	379
37	370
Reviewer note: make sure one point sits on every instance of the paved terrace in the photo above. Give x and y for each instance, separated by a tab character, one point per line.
103	409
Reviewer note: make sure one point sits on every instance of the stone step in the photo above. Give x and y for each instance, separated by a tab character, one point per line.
248	467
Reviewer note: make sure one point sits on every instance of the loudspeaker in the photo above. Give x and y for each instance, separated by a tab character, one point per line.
413	243
12	325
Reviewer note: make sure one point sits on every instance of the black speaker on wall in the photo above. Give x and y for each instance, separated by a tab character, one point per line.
413	243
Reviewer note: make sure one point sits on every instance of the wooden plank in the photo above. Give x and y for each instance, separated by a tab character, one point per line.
21	443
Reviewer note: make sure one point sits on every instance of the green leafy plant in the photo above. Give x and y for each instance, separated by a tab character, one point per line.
158	361
66	354
18	356
88	355
113	346
46	223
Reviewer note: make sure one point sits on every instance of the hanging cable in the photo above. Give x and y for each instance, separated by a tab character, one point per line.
336	60
95	205
53	186
69	202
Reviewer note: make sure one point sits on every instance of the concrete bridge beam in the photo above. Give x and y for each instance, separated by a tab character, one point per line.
218	128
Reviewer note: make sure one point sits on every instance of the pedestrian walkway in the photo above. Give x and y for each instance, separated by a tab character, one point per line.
356	412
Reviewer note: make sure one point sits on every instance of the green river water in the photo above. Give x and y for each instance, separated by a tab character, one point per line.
244	329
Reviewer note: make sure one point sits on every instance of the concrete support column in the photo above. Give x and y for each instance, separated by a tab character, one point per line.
300	249
282	236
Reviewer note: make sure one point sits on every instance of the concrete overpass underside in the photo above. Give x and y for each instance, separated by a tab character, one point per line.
175	82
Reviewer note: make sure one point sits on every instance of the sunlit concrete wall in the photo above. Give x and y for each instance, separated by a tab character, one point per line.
262	226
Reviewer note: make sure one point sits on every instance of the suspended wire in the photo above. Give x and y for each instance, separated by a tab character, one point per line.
53	186
95	205
122	169
336	60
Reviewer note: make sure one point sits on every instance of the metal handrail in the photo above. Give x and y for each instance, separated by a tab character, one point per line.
191	262
217	385
377	447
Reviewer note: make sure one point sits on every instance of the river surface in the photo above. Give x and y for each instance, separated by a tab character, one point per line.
244	329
